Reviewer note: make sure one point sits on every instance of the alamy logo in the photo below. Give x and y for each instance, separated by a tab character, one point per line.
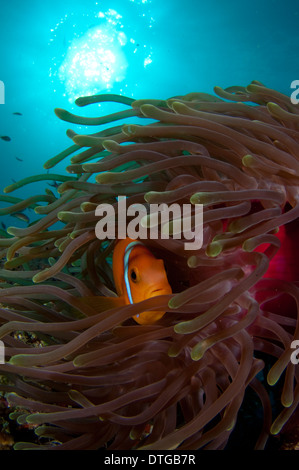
295	94
295	354
2	353
174	221
2	92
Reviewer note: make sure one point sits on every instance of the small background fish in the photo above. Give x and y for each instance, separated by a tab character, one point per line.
21	216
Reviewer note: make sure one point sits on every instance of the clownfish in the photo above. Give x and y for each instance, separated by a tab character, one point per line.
138	275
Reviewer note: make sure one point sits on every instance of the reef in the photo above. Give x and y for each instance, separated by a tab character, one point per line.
92	380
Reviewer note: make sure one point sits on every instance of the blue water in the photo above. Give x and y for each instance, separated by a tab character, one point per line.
164	48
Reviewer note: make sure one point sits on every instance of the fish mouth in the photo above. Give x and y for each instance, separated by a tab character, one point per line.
159	291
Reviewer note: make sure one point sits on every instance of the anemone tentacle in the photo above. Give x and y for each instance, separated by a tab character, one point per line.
101	380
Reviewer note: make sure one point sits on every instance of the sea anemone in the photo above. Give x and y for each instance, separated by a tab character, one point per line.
92	380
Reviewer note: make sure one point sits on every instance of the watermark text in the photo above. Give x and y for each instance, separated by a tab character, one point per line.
174	220
2	92
295	354
2	352
295	94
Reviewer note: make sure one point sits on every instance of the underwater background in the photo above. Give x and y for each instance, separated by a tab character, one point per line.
54	51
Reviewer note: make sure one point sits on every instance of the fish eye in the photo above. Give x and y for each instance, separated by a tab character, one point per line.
133	275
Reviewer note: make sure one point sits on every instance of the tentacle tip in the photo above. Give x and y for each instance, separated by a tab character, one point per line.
196	356
129	129
110	145
247	161
178	107
147	109
213	249
192	261
9	188
272	105
61	215
217	89
177	328
148	196
36	279
11	230
172	305
248	246
271	379
104	177
16	360
198	352
197	198
47	165
274	430
287	402
59	112
172	353
11	395
77	362
80	101
31	419
78	140
182	328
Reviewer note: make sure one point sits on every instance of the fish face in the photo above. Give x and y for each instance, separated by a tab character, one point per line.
139	275
147	277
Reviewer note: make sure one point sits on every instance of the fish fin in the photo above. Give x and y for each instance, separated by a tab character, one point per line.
100	304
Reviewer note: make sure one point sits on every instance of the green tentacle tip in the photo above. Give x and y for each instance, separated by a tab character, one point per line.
81	101
60	112
110	145
150	196
273	106
36	418
25	446
179	107
192	261
10	188
106	177
172	303
77	362
231	425
275	428
51	261
173	351
64	216
248	245
11	230
148	110
213	249
85	141
287	401
39	276
272	378
197	198
129	129
248	161
19	359
22	419
182	328
198	351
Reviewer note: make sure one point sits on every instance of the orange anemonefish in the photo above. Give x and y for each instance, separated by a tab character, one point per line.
138	275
